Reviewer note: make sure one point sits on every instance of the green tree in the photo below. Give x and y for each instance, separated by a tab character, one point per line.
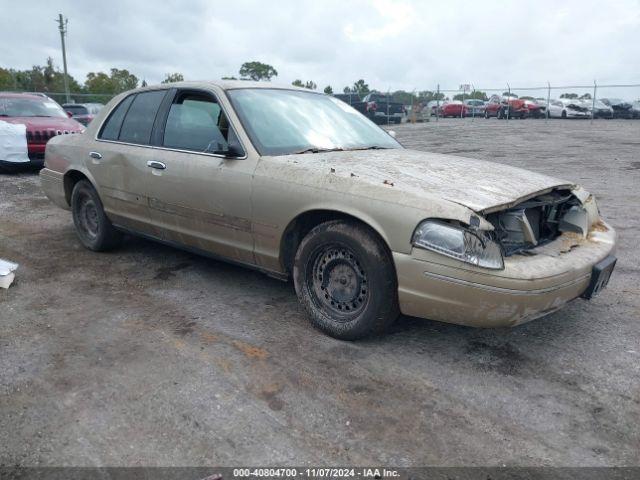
229	78
310	84
475	94
7	79
328	90
586	96
406	98
569	95
509	94
118	81
360	87
173	77
428	96
144	83
257	71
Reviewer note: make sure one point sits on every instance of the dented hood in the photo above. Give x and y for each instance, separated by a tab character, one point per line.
479	185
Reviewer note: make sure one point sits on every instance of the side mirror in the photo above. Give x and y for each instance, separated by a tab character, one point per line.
392	133
69	114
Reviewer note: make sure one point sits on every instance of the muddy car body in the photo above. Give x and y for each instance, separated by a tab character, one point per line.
300	185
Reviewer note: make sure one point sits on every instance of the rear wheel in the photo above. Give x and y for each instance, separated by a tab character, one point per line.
93	228
345	279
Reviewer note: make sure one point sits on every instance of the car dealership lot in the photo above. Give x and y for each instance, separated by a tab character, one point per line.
152	356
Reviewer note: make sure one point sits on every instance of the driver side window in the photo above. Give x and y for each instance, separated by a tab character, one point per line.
196	122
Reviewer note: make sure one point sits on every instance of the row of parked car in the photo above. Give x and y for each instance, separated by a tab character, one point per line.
38	118
513	107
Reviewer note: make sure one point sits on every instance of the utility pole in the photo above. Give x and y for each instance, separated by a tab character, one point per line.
62	26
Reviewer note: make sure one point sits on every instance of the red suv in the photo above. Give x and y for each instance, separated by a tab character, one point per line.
43	119
500	107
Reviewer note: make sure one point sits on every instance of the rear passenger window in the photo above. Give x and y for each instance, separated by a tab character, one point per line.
111	129
138	123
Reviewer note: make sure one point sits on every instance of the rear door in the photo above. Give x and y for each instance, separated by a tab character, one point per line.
118	163
199	194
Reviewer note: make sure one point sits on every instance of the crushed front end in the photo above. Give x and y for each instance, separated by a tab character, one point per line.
555	248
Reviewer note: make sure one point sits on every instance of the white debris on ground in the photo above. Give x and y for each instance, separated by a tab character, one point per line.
6	273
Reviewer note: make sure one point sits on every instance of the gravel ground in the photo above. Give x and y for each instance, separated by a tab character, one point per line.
152	356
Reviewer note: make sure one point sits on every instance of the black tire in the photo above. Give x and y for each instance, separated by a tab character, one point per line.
564	114
486	114
93	228
11	167
346	281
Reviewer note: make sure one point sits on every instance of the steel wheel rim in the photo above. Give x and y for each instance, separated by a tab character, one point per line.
338	282
88	216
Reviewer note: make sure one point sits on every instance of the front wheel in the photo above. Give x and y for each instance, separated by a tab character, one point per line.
346	281
94	229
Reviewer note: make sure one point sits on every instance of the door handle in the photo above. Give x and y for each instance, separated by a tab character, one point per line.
95	155
155	164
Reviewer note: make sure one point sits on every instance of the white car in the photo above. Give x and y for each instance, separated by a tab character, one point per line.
567	108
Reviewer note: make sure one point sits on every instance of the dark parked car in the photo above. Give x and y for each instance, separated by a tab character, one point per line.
381	108
43	119
600	110
621	109
83	112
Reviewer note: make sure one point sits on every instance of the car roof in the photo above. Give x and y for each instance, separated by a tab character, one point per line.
228	85
22	95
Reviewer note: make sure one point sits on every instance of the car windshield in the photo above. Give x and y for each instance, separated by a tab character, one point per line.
76	109
29	107
283	122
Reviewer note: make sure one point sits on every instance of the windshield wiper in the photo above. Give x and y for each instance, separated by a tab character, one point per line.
371	147
318	150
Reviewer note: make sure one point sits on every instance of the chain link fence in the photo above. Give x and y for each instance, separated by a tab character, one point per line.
592	102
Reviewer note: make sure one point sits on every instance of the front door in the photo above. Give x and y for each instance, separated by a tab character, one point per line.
199	195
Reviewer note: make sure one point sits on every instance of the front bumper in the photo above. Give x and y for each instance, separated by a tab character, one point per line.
435	287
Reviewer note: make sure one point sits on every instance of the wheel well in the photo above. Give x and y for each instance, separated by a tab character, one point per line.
70	179
303	223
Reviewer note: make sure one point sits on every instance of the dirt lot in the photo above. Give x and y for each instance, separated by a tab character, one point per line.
153	356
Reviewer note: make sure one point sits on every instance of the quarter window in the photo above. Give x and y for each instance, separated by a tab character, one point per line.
111	128
138	122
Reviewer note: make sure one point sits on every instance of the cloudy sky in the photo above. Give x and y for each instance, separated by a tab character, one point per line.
396	44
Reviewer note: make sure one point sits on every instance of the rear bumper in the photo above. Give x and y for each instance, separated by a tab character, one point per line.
52	183
529	287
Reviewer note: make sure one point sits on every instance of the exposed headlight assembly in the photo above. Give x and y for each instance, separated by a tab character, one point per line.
476	247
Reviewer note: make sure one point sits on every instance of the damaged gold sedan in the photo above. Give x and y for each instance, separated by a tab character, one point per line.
299	185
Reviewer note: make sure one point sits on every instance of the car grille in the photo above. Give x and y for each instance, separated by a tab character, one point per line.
533	222
43	136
